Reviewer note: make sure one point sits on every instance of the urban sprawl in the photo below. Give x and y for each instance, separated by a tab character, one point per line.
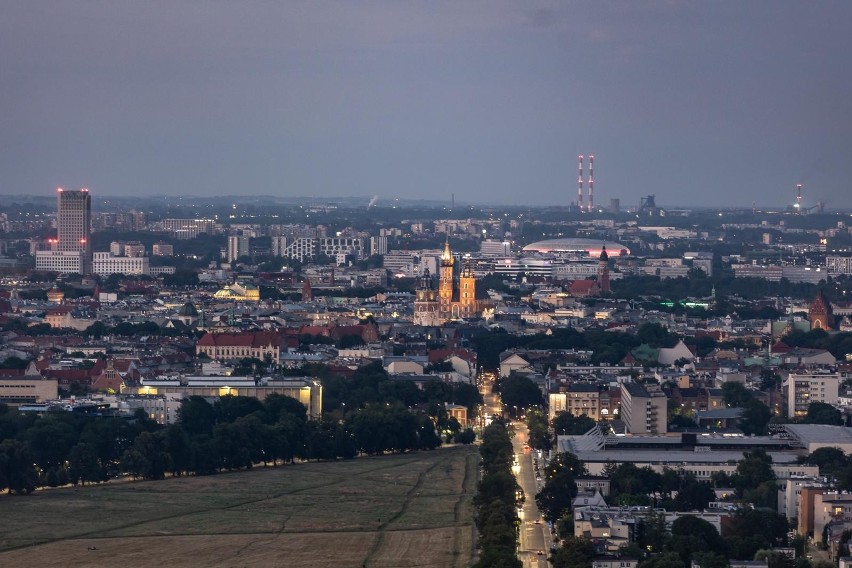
648	386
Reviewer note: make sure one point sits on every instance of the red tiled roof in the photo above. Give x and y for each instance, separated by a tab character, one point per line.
255	339
582	286
438	355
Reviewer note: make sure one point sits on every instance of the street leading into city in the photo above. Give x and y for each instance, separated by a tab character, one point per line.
534	535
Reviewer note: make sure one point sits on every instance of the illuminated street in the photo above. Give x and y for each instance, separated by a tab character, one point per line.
534	533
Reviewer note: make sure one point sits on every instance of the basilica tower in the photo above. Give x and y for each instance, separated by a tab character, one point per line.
445	285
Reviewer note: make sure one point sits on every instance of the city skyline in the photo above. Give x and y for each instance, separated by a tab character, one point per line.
720	105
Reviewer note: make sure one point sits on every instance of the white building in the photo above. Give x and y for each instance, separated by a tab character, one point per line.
105	263
305	248
495	248
238	246
62	261
127	248
838	264
162	249
378	245
803	389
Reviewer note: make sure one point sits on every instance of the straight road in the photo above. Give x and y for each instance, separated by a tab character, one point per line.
534	533
536	539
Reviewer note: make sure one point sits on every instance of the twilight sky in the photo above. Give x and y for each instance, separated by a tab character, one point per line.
701	103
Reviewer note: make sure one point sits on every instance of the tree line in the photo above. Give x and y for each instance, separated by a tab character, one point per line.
497	500
233	433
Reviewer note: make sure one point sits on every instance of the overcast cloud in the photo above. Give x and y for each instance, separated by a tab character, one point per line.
700	103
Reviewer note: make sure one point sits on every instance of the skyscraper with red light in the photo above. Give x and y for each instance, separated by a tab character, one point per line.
74	223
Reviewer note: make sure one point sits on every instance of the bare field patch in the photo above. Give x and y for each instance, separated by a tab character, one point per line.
401	510
316	550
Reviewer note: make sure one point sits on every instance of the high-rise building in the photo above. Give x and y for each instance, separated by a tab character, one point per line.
74	220
72	251
238	246
378	245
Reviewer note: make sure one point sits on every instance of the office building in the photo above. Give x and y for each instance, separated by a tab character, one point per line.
71	252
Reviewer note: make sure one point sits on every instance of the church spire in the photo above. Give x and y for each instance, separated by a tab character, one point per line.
447	256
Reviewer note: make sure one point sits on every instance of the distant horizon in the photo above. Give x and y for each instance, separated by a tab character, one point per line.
406	202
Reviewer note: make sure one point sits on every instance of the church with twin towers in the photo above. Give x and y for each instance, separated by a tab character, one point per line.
454	299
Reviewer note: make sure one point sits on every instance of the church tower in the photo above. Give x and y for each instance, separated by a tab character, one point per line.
467	290
603	271
445	285
820	313
426	302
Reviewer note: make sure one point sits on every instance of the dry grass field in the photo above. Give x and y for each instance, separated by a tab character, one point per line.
411	510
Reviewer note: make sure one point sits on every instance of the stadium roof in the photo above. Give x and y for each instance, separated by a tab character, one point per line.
591	246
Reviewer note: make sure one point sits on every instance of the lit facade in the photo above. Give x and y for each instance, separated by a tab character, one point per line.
455	299
105	263
71	252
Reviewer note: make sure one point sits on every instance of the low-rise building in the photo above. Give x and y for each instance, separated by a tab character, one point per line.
27	389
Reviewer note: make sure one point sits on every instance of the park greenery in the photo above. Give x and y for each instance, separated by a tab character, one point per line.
233	433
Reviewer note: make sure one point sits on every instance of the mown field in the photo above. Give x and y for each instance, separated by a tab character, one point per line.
402	510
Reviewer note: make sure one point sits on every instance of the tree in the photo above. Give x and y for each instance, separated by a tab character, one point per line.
754	469
651	534
230	408
575	552
233	445
466	436
710	560
50	439
279	404
664	560
179	448
628	482
84	465
692	495
149	456
467	395
498	559
691	534
755	418
736	394
753	529
822	413
566	424
16	467
196	415
830	460
520	392
560	488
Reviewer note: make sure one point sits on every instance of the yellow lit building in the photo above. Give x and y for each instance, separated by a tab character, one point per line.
239	291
